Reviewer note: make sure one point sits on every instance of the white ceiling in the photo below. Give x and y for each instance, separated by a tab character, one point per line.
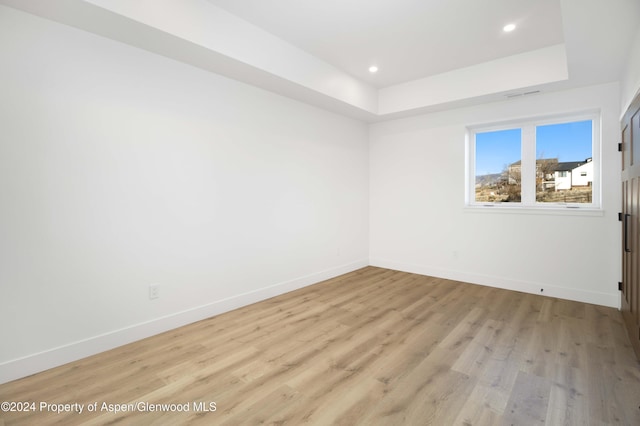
432	54
406	39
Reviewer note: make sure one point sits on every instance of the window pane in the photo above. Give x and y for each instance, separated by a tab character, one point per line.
498	165
564	167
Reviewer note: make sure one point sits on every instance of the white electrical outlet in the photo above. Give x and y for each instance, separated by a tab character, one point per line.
154	291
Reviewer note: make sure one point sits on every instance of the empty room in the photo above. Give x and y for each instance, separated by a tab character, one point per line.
285	212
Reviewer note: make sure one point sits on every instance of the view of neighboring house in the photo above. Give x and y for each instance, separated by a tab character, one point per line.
551	174
573	174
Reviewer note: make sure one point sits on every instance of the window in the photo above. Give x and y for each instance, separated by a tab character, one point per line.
498	165
538	163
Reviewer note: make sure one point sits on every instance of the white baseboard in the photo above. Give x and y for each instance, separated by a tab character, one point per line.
34	363
597	298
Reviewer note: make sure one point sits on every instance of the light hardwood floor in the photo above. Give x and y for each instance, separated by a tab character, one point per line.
373	347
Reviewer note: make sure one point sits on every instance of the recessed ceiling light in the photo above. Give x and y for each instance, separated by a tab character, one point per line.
373	69
508	28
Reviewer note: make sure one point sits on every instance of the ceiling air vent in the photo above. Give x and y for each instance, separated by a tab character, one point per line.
517	95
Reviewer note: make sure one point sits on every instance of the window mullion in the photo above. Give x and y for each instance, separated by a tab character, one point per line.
528	164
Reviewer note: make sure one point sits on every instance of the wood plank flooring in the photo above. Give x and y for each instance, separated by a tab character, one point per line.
373	347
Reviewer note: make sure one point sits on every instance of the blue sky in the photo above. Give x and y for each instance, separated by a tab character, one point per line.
565	141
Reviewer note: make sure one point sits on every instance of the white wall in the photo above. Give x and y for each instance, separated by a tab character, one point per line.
631	74
562	182
576	175
120	168
418	221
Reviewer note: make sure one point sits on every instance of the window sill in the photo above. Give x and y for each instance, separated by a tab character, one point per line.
542	210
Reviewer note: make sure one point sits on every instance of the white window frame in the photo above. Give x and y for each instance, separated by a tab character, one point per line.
528	157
